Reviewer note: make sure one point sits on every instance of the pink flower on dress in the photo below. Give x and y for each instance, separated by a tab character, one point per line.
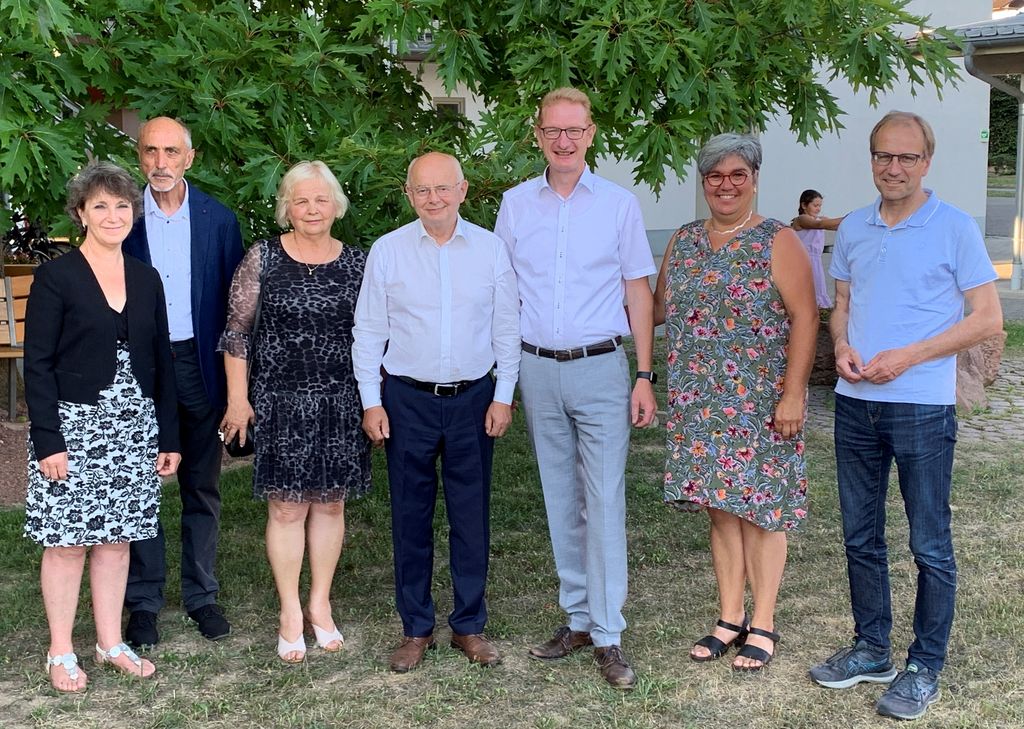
746	453
673	357
727	462
729	412
731	368
800	513
759	284
736	291
748	407
694	316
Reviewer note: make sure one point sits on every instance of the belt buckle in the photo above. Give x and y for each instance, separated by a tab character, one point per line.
563	355
450	390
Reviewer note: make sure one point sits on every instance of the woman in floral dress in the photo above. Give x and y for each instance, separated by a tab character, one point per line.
741	323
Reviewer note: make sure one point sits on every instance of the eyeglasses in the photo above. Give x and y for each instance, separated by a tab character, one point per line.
423	191
573	133
884	159
715	179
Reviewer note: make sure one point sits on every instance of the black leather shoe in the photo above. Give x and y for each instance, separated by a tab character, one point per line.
211	621
141	630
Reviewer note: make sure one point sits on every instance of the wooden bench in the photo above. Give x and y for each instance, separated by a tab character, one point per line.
13	299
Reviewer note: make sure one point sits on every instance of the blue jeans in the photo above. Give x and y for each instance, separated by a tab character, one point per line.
869	435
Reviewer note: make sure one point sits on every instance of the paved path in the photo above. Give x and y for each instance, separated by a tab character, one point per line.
1001	423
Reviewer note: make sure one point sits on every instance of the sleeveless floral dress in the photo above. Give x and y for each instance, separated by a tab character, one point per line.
727	332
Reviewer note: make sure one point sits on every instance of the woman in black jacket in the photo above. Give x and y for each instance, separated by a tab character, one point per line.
99	383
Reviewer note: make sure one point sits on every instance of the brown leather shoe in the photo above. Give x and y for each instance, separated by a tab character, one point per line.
564	642
477	649
409	653
614	667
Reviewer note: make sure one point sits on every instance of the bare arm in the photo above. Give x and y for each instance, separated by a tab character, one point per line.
641	322
984	321
791	271
809	222
848	360
659	289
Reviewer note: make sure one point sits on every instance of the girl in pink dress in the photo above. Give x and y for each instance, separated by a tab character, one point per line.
810	227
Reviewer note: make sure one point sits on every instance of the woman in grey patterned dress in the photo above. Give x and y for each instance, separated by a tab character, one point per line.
311	452
99	383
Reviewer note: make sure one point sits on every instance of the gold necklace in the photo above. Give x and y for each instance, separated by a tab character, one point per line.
733	230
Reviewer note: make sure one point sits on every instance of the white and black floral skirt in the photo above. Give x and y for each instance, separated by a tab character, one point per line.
112	492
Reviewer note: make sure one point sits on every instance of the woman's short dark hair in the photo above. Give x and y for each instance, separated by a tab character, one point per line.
721	146
98	177
806	198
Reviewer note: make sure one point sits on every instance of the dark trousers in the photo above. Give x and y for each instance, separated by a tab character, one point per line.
199	488
423	428
920	438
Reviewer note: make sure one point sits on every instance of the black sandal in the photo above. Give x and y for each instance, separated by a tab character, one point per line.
717	647
758	654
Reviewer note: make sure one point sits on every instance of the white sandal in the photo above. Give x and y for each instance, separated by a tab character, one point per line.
106	657
284	647
67	661
325	637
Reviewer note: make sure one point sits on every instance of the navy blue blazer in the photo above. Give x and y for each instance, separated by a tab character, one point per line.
71	346
216	252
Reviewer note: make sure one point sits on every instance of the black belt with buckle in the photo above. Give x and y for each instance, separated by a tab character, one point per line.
564	355
441	389
183	346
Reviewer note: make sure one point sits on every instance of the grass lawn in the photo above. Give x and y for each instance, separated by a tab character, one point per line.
239	682
1003	181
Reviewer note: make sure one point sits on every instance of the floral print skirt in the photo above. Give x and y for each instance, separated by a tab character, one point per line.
112	492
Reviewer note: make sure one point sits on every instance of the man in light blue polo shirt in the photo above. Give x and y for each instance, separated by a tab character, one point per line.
903	267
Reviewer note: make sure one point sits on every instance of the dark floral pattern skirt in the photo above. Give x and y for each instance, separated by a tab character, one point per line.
112	492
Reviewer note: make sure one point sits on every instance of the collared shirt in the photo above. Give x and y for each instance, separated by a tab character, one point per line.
446	312
572	257
170	249
907	283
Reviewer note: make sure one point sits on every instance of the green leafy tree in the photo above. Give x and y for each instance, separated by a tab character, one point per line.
265	84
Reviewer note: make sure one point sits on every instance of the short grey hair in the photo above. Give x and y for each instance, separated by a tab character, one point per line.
97	178
301	172
454	160
720	146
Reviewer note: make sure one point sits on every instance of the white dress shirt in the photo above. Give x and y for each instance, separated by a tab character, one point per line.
572	257
170	251
446	312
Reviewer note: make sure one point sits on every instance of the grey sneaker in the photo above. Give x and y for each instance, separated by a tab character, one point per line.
852	665
910	695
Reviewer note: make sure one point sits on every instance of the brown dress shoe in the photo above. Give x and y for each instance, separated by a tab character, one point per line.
477	649
409	653
614	667
564	642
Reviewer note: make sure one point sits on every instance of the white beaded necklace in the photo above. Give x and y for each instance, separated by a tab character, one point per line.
731	230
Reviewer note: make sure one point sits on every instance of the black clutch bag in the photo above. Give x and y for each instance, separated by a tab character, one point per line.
237	451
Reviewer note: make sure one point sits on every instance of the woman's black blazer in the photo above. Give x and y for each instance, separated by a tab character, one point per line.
71	346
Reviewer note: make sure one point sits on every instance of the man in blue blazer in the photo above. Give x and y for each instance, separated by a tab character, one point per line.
195	243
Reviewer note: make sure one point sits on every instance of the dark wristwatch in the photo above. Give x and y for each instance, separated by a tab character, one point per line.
652	376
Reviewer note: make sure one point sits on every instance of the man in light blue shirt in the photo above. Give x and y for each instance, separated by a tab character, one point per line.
904	266
438	308
195	243
578	245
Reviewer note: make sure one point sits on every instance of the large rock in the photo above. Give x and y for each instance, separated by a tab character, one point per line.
824	370
975	368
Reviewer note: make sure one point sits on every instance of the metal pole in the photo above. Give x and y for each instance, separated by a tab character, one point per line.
1018	221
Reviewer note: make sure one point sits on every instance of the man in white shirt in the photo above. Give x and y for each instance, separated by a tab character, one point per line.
578	244
438	308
